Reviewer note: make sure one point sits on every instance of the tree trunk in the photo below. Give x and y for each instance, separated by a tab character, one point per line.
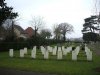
12	31
64	37
35	32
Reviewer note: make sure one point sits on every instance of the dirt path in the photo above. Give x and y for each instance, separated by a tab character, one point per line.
4	71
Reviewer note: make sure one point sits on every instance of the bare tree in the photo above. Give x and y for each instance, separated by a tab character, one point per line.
37	23
64	29
46	33
56	31
9	29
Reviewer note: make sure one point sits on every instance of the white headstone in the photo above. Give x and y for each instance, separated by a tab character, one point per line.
63	47
87	49
63	50
59	54
77	49
49	48
46	54
25	50
42	50
33	52
89	56
54	51
11	52
88	53
69	49
21	53
74	55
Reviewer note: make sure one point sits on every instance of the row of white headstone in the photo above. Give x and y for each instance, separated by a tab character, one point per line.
60	51
55	50
22	52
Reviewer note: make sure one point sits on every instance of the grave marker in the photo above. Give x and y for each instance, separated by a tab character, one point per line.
59	54
21	53
49	48
33	52
77	50
54	51
42	50
74	55
88	53
63	50
11	52
46	54
25	50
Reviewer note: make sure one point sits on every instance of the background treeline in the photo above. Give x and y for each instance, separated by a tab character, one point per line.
20	43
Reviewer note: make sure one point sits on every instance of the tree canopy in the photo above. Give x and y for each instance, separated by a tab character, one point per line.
65	28
6	12
45	33
60	30
37	23
90	28
90	36
91	24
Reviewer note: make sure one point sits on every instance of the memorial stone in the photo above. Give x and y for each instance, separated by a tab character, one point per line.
25	50
11	53
33	52
54	51
46	54
59	53
21	53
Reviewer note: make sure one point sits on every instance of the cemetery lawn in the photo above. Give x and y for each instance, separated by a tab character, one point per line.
52	65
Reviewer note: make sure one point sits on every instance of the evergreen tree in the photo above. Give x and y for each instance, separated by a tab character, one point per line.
6	12
90	27
91	24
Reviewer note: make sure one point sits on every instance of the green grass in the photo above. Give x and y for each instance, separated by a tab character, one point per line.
62	67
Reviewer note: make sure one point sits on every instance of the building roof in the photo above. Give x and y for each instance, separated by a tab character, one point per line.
30	31
20	29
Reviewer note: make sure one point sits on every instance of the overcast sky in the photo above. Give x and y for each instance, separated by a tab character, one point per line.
54	11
